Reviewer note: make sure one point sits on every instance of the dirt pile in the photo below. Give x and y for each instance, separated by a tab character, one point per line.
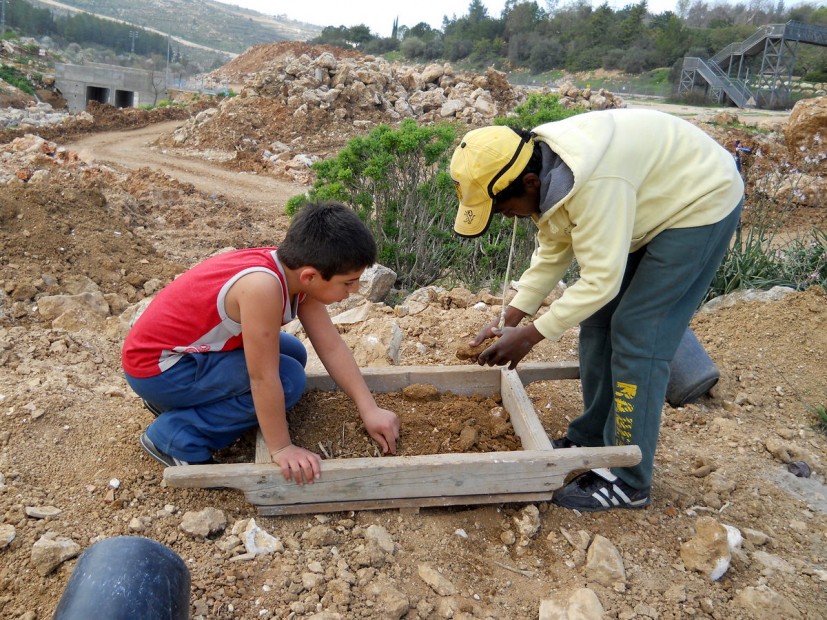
247	65
300	103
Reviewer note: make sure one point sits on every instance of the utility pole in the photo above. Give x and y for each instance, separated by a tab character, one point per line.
166	71
3	19
133	34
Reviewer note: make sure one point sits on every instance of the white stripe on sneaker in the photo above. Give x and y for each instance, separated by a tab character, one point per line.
608	497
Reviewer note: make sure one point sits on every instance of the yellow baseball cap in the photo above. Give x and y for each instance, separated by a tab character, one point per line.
486	162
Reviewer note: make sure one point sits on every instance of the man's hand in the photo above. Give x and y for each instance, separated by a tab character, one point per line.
383	426
297	464
487	332
513	344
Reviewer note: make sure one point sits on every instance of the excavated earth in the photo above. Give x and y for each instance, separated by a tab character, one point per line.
110	234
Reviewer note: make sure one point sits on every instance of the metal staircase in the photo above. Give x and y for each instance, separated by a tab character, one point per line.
734	74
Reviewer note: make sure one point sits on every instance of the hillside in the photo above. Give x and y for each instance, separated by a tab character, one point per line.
219	26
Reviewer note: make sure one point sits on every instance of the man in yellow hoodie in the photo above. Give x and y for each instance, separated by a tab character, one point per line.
647	203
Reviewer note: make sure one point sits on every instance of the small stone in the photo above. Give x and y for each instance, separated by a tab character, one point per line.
42	512
604	563
48	553
382	538
204	522
7	534
259	542
799	469
438	583
709	551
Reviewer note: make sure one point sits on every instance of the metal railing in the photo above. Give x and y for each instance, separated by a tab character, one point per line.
765	40
718	79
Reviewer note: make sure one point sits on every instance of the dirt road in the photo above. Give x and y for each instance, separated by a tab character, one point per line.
135	149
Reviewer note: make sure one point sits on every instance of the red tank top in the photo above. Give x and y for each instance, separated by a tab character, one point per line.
188	315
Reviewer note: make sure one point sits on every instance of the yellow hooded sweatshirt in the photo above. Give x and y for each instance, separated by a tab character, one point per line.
636	173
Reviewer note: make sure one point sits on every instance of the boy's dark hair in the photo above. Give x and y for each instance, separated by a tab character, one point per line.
329	237
535	165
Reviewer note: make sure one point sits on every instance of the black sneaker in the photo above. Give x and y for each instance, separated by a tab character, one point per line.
154	409
599	489
165	459
563	442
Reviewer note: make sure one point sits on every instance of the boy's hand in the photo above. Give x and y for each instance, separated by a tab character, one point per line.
297	464
383	426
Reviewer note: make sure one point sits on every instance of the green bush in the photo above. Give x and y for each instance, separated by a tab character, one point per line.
16	78
820	75
820	412
397	180
536	110
163	103
758	259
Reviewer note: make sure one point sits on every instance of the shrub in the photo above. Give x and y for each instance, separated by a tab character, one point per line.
820	412
759	258
16	78
398	183
819	75
536	110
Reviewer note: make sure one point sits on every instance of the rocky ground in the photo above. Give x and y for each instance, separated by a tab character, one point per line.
86	240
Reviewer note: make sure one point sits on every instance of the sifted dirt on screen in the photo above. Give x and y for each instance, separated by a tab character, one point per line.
435	423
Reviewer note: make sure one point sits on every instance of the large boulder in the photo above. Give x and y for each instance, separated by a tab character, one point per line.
806	134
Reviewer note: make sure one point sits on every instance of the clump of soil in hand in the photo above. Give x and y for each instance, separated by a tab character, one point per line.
467	352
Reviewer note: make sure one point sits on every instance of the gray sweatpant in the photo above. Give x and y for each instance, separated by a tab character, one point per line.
626	346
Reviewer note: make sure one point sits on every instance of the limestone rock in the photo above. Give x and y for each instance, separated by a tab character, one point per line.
708	552
583	604
390	602
376	282
7	534
436	581
320	536
42	512
604	563
74	311
806	133
528	521
204	522
764	603
381	537
49	552
258	541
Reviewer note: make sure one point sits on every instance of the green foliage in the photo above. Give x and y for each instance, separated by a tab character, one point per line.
819	75
759	259
163	103
397	181
536	110
579	37
82	28
13	76
820	412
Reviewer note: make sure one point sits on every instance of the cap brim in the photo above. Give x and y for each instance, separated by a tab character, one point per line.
474	220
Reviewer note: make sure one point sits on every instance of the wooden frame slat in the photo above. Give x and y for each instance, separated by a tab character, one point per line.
531	474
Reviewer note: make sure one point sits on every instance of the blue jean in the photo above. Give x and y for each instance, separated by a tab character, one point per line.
626	347
207	402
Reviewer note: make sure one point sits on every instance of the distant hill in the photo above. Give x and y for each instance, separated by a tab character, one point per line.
206	23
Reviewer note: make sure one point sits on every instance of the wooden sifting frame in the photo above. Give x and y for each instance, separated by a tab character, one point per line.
528	475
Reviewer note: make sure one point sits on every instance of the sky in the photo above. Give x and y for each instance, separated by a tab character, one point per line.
379	16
